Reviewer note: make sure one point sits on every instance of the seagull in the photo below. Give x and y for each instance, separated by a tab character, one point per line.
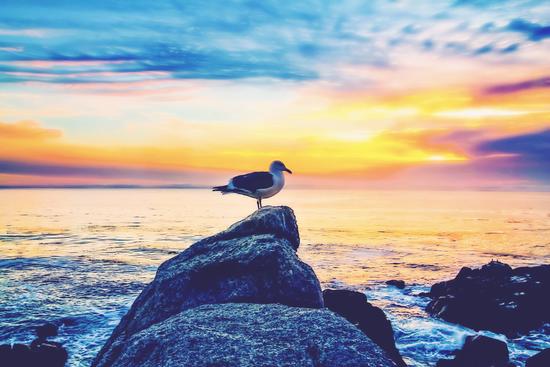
257	185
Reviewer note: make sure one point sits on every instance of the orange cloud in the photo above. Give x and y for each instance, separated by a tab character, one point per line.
29	148
27	130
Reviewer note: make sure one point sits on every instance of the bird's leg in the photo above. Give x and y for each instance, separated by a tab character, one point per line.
261	203
258	203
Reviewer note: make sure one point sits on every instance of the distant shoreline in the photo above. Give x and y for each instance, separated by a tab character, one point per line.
207	187
30	187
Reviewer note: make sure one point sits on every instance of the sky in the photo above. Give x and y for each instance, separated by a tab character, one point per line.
361	94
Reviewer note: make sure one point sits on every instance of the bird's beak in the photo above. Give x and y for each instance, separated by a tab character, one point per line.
289	171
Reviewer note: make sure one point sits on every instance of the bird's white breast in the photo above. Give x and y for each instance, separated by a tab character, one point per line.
278	184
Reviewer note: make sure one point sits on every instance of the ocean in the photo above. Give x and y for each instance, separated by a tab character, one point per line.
81	256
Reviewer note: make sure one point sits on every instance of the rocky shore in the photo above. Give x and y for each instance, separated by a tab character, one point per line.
243	298
41	352
494	297
497	298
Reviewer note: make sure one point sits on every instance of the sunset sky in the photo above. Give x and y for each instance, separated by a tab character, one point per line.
374	94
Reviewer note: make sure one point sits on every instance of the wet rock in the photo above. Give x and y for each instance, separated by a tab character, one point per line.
47	354
69	321
50	354
47	330
253	261
479	351
5	352
21	355
234	334
541	359
371	320
396	283
277	221
494	297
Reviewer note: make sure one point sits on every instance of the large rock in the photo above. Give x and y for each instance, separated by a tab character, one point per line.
495	297
396	283
45	354
249	335
278	221
371	320
254	261
541	359
41	352
479	351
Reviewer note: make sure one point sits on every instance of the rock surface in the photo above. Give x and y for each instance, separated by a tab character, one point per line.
251	335
208	307
396	283
541	359
46	330
276	221
495	297
41	352
479	351
371	320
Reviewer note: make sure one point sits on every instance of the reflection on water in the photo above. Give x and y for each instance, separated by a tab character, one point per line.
81	256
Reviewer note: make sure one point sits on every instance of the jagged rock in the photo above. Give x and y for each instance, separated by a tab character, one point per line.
47	354
253	261
396	283
50	354
278	221
46	330
541	359
249	335
371	320
495	297
479	351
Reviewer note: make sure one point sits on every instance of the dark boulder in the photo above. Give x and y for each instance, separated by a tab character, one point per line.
21	355
278	221
396	283
494	297
479	351
541	359
371	320
47	330
5	352
253	261
47	354
244	335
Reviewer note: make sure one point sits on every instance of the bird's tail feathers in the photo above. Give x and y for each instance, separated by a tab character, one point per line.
223	189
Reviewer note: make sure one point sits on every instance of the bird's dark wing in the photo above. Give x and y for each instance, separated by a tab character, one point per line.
253	181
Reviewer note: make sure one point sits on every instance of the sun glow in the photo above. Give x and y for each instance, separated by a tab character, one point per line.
385	94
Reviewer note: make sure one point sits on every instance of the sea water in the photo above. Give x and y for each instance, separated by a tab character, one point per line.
81	256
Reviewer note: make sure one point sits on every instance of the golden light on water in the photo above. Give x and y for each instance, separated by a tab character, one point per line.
354	235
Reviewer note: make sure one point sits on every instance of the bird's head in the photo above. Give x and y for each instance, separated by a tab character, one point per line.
278	166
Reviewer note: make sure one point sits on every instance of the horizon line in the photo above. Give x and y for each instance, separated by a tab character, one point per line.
203	187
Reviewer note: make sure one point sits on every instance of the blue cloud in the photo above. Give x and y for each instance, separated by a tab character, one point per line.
510	48
533	31
428	44
234	39
484	50
410	29
478	3
530	152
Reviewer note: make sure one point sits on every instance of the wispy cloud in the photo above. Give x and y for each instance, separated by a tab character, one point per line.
26	130
237	40
97	171
543	82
